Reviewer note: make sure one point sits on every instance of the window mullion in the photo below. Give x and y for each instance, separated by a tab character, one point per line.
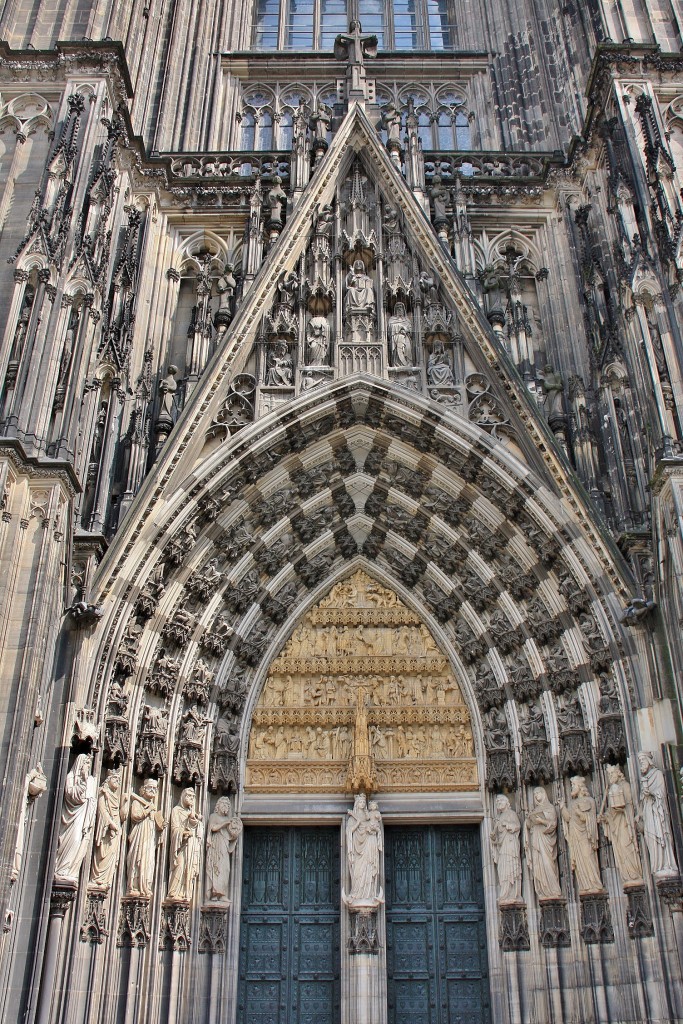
317	24
284	24
389	31
423	26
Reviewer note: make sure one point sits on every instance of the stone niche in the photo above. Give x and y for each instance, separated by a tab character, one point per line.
361	697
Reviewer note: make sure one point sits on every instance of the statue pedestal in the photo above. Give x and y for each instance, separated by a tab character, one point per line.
366	1003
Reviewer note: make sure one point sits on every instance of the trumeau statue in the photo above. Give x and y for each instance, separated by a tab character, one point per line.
653	817
147	823
187	833
223	832
111	811
78	818
506	853
618	824
540	846
580	827
364	843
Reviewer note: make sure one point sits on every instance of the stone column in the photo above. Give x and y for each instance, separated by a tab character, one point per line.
61	898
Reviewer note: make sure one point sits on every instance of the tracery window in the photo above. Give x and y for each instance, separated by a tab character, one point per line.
265	121
313	24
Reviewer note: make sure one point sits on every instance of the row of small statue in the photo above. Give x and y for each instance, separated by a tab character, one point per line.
98	816
621	823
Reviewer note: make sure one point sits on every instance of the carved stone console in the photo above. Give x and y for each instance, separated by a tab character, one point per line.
174	930
134	922
513	931
213	926
554	930
94	924
363	937
639	914
596	920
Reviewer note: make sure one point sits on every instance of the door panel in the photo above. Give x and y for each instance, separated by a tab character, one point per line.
436	938
289	938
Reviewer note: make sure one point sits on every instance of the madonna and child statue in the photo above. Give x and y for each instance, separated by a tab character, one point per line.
364	844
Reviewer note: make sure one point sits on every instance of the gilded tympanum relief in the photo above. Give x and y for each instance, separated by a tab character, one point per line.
361	698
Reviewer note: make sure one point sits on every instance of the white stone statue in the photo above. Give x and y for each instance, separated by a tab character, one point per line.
580	827
364	844
147	823
111	811
540	846
318	341
506	852
360	292
187	833
653	817
400	332
78	818
618	823
223	831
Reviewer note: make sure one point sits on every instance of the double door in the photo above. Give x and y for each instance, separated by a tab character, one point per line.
436	932
290	957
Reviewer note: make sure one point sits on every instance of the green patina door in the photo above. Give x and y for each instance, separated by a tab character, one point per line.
289	935
436	935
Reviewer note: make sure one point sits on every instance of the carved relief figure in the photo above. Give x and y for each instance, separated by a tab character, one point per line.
147	823
439	373
653	817
505	849
363	847
277	198
318	341
78	817
111	811
580	827
618	824
187	833
321	119
280	371
400	331
360	294
223	831
540	846
167	392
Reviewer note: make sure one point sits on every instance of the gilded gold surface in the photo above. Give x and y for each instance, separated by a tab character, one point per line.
361	698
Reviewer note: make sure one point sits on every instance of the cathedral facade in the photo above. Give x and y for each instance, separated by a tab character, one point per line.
341	512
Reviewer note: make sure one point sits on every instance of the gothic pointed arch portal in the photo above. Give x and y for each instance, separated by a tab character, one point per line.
361	697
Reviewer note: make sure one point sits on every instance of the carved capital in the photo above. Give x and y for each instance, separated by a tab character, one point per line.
670	891
61	898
